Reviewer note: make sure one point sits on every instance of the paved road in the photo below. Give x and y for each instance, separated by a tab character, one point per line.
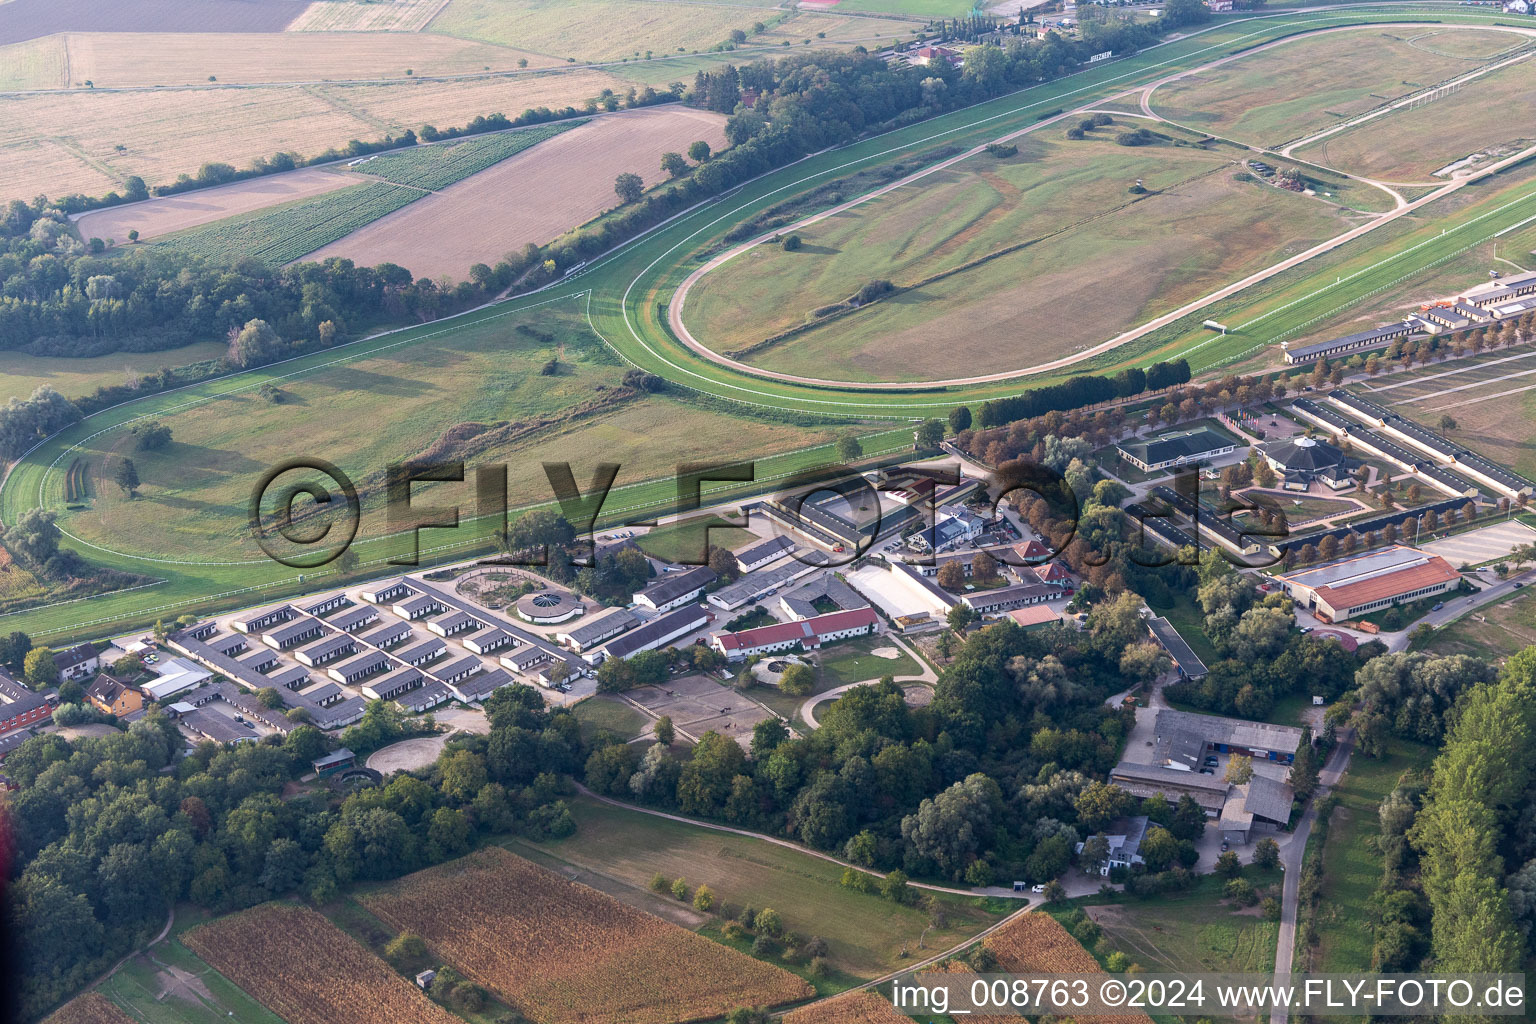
1293	853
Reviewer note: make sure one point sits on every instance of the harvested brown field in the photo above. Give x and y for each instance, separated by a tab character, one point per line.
559	183
35	64
563	953
1037	942
861	1006
67	142
273	952
90	1008
367	16
166	214
117	60
31	19
596	30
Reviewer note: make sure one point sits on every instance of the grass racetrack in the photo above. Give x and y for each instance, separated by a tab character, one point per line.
622	297
1082	260
1328	78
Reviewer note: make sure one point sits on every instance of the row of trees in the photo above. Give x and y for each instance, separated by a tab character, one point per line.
108	833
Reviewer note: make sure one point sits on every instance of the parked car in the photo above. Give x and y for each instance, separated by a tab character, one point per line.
1207	771
1225	846
1037	888
1437	606
1519	585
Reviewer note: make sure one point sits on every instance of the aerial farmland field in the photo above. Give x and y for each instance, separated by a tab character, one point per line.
265	952
1065	210
75	376
519	937
860	1006
91	1008
562	182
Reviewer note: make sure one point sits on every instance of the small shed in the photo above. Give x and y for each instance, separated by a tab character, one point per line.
425	978
334	762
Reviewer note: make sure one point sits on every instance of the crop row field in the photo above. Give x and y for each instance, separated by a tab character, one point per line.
90	1008
861	1006
366	16
282	234
440	165
271	953
562	953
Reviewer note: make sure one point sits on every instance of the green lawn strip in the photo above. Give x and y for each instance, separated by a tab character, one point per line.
865	933
1351	866
680	542
611	713
137	986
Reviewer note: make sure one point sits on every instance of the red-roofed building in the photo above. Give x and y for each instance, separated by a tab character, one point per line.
1053	572
928	54
1032	551
1370	582
1035	616
806	634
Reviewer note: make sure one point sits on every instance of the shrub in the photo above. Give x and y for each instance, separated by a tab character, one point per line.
790	243
680	888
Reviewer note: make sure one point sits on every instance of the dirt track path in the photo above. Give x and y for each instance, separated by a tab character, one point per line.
678	302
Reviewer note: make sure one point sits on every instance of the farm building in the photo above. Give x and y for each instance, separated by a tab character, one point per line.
326	605
229	646
524	658
826	589
1181	449
394	684
595	630
1053	573
262	619
355	670
658	632
77	662
454	623
19	706
1184	739
1260	804
418	607
489	641
759	555
294	678
425	697
420	654
1376	337
673	590
1184	657
387	591
291	634
260	661
354	619
114	697
1366	583
1036	616
1301	460
341	714
177	675
336	761
805	634
1501	290
211	725
324	694
331	648
991	604
756	584
388	636
457	670
481	685
10	742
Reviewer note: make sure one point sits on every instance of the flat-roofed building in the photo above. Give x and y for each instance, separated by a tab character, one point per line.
330	649
291	634
1184	657
354	619
597	629
1181	449
1367	583
675	589
355	670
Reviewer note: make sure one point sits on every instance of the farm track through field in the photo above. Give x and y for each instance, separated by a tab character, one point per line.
623	289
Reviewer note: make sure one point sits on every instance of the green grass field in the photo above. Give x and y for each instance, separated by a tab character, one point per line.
1329	78
171	985
1193	930
608	712
865	933
1351	869
685	542
1066	202
850	661
73	377
438	166
1492	633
